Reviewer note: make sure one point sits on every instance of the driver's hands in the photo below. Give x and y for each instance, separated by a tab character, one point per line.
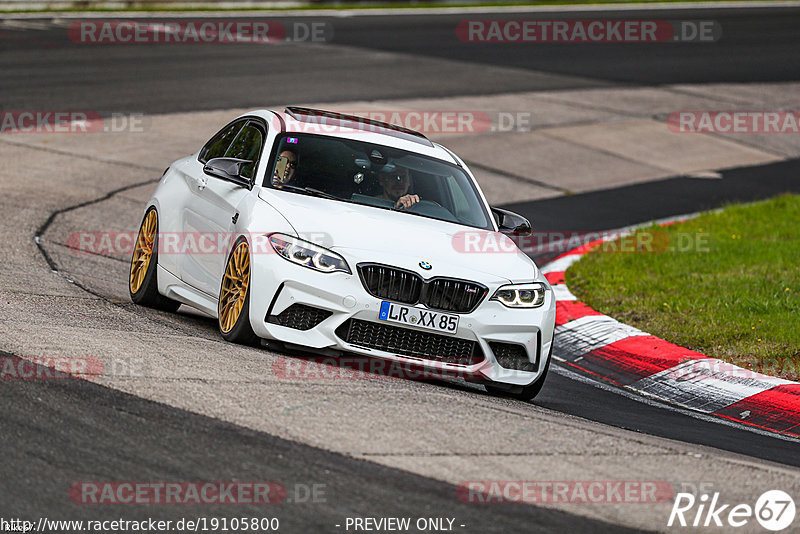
406	201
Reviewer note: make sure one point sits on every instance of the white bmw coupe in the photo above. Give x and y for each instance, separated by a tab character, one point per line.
336	233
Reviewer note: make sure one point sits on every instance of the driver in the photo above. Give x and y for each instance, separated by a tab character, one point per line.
291	164
395	187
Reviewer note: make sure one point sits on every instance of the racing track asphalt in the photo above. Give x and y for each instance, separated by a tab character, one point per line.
59	432
43	68
616	208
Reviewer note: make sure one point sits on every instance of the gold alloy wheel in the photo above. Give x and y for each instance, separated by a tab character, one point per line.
143	252
234	287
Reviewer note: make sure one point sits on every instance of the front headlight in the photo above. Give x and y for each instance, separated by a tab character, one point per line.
521	295
308	254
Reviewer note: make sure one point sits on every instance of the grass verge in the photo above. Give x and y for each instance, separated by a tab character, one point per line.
726	284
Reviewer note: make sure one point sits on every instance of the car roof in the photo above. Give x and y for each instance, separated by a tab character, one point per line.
333	124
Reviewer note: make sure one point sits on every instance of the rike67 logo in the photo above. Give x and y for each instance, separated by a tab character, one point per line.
774	510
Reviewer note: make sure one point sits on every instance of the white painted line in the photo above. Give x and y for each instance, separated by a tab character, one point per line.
561	264
706	385
561	292
24	25
590	333
656	403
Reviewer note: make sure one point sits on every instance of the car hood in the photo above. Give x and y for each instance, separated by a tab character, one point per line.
369	234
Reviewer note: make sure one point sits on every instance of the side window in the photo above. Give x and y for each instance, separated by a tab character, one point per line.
218	144
247	145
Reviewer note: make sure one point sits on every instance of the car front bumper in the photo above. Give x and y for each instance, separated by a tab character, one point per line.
278	284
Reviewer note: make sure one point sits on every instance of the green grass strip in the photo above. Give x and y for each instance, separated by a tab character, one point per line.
726	284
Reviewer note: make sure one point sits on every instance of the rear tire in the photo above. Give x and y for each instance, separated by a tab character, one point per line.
233	311
523	393
143	276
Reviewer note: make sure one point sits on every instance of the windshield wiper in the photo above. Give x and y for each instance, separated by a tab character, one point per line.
310	191
322	194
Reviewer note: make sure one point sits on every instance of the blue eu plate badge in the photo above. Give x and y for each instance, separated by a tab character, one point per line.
384	314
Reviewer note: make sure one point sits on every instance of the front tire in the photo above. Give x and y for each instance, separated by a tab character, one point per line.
234	297
143	277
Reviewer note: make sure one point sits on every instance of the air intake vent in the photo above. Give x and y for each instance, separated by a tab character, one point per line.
299	317
512	356
407	342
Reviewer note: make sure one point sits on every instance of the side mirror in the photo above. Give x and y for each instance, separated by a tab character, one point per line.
228	169
512	223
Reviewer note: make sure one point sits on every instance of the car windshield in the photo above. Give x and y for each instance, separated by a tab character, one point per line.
377	176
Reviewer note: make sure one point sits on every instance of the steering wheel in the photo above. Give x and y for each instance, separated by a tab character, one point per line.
422	202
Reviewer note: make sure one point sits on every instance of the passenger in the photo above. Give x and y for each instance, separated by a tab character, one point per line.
292	160
395	187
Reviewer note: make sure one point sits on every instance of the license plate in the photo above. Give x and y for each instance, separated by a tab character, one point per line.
418	317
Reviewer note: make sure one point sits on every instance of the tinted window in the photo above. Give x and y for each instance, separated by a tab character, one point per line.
377	176
219	144
247	145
